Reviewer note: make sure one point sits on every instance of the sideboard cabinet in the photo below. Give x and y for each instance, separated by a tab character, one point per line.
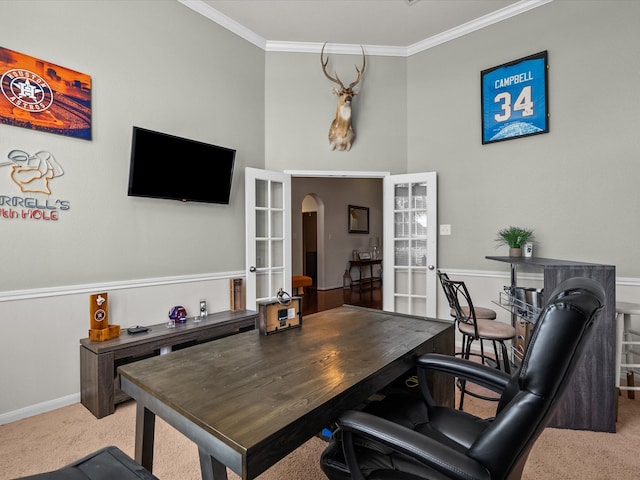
591	400
99	382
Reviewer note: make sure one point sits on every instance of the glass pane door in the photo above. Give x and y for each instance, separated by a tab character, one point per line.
410	206
268	227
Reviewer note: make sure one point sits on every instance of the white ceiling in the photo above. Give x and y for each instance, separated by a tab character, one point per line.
393	27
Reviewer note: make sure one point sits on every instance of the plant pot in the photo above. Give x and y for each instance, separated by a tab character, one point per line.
515	252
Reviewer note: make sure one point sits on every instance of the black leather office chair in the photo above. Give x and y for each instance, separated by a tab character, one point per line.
108	463
405	438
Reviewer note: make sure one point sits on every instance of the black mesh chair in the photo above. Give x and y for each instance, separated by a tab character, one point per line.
473	327
406	438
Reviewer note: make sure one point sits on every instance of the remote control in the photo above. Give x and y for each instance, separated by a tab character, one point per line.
137	329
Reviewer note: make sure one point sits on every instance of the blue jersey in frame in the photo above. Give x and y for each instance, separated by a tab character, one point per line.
514	99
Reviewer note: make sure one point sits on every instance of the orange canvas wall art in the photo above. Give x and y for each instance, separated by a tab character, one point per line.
40	95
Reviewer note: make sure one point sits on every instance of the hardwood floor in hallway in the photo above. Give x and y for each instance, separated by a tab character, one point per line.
315	300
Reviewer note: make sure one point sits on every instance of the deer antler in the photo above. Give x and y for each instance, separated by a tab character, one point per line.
337	79
324	68
360	71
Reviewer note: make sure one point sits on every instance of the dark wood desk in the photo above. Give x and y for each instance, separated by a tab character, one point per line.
249	400
360	264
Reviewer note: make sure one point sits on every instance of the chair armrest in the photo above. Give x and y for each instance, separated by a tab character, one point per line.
424	449
488	377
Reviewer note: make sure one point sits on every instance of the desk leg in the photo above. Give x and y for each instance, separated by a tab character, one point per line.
145	432
211	468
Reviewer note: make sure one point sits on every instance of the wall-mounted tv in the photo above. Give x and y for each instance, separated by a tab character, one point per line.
175	168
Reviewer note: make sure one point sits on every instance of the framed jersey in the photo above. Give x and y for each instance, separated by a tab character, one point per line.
515	100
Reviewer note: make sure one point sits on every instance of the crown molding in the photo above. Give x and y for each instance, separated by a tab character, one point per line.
475	25
224	21
335	48
221	19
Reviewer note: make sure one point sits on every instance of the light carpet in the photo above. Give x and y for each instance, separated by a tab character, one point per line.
50	440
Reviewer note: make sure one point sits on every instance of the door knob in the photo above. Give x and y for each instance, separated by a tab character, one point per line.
431	267
252	269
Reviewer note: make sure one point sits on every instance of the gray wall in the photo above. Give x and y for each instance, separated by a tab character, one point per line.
155	64
300	107
575	186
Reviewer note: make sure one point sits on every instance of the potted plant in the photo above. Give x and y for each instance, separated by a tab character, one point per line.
515	237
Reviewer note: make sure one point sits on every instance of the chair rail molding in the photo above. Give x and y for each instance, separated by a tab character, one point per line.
28	294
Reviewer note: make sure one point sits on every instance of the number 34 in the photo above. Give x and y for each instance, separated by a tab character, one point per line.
523	103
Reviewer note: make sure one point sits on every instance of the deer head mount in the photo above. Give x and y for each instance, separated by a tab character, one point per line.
341	133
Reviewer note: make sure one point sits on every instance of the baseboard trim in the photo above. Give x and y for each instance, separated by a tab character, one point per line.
39	408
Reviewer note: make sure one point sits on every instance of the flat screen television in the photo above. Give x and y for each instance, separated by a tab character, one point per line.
175	168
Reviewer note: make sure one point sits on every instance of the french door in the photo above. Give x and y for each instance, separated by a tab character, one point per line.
410	243
268	234
410	239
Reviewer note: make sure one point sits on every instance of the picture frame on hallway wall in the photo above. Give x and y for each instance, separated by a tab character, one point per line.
358	219
515	99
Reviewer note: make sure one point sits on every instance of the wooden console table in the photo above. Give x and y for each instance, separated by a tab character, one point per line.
99	382
590	402
360	264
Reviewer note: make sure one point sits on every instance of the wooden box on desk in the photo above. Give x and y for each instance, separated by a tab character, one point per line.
274	316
